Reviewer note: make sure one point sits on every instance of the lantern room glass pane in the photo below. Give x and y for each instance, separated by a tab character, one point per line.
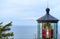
49	30
55	27
40	30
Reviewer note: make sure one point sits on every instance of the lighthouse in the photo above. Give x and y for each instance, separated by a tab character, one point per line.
47	26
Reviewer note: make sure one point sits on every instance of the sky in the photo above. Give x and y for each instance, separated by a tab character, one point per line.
26	12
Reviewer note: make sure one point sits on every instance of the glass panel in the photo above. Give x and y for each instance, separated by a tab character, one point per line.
38	35
55	31
47	30
40	30
54	26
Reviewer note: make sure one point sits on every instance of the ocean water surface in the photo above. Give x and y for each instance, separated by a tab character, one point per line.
25	32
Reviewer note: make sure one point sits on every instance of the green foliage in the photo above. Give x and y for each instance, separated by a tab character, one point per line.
8	34
4	29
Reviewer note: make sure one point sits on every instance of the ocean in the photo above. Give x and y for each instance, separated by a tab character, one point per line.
25	32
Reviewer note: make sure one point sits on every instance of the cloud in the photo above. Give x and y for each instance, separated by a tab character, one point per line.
19	10
25	2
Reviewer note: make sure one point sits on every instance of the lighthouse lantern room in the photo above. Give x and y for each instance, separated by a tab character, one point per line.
47	26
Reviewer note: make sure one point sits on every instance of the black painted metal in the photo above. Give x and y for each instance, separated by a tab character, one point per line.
47	18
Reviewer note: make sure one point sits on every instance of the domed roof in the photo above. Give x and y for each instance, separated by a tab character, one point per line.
47	17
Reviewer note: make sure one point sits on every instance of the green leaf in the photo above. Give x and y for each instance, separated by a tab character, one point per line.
5	29
7	25
8	34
